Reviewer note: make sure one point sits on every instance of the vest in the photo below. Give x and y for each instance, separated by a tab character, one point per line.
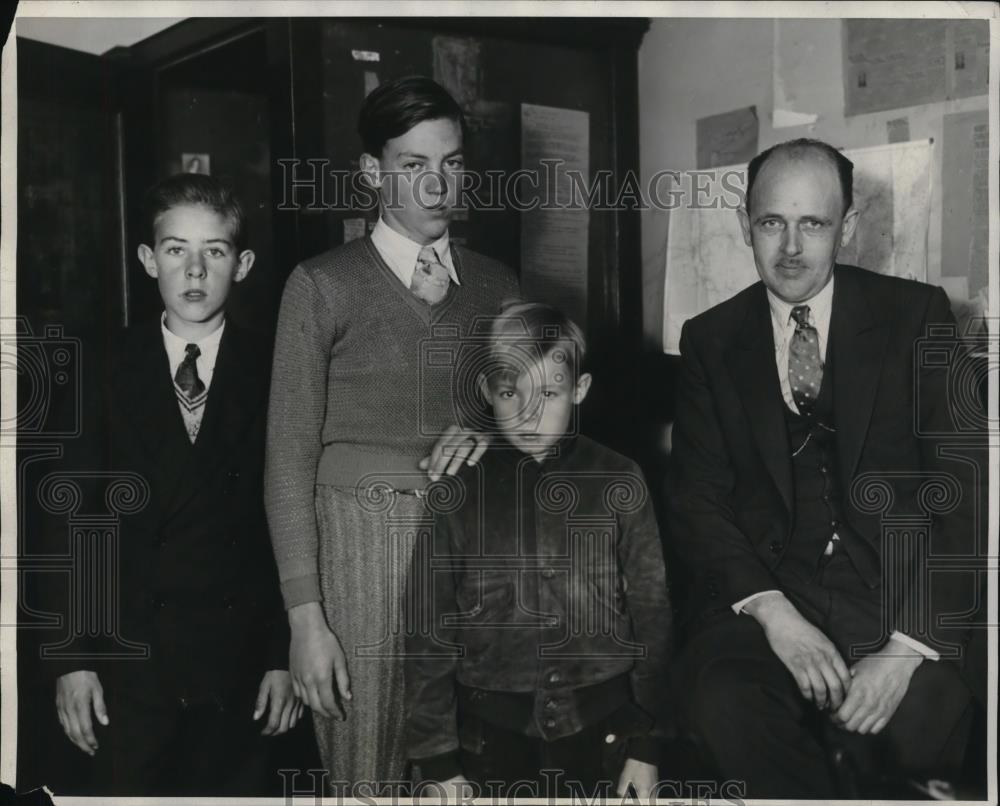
818	493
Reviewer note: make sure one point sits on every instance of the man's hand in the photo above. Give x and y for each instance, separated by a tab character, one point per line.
316	661
455	447
286	708
76	694
807	653
640	775
878	685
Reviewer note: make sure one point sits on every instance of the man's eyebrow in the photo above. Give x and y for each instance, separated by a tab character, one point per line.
173	238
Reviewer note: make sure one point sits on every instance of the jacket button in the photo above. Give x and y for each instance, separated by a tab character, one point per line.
229	602
554	677
549	723
550	704
548	573
232	475
776	546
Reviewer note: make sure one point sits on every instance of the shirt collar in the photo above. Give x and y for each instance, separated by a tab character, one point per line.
400	253
558	454
820	307
209	345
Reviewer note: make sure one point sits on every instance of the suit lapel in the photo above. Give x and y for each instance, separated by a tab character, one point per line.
857	343
751	363
149	410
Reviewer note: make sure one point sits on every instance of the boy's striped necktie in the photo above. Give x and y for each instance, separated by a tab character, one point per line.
190	390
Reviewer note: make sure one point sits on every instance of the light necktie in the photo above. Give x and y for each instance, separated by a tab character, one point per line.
430	279
190	391
805	367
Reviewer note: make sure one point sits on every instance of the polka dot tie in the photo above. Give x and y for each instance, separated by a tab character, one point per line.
805	368
430	278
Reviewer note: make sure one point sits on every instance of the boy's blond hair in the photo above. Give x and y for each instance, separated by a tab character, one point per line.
526	332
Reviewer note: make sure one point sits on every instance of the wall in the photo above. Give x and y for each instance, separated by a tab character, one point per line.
91	35
691	68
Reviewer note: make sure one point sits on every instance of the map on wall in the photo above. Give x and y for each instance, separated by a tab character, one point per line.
707	261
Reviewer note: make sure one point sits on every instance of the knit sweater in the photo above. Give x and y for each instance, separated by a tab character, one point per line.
365	378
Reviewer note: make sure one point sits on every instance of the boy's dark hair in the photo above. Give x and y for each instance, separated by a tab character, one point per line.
392	109
526	332
191	189
845	168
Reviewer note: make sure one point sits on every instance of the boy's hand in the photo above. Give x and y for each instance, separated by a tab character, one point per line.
455	447
76	693
286	708
316	661
640	775
456	790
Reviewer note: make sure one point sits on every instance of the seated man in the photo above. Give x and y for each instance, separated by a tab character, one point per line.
800	411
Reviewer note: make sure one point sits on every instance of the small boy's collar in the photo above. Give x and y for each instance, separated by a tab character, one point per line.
558	453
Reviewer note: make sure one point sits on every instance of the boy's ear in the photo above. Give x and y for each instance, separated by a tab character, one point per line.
372	170
582	387
246	259
147	259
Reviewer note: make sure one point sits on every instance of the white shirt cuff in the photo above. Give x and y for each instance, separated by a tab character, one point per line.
738	607
915	645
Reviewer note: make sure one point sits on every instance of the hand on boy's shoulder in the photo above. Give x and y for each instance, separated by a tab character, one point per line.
456	448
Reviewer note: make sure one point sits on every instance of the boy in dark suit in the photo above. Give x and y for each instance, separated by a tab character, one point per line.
182	409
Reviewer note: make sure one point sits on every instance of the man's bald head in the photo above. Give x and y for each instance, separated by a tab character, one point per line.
805	148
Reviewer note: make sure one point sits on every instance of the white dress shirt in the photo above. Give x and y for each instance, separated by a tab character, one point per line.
783	327
400	253
209	346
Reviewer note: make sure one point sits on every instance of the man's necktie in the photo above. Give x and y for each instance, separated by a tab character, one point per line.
805	368
430	278
187	379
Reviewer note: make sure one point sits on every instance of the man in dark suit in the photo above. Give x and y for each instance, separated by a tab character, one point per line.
165	690
808	498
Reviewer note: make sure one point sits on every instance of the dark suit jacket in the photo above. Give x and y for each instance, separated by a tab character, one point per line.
196	575
731	494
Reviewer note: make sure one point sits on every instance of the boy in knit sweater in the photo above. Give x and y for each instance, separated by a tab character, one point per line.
356	403
540	627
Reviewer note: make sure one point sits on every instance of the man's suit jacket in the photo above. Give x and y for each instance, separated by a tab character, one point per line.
731	492
196	573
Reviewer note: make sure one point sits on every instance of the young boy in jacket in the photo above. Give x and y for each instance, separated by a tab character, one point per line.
539	634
